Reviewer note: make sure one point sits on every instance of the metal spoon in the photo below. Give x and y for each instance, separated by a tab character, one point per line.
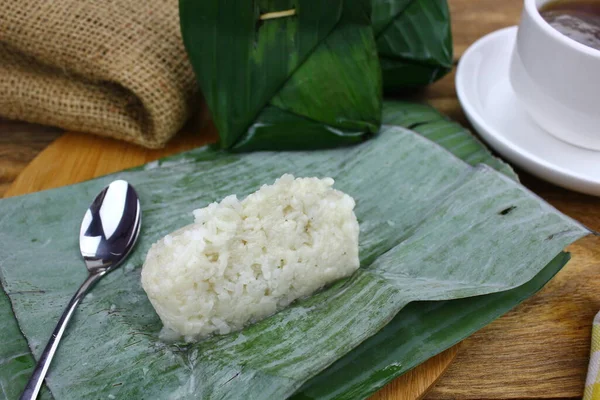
108	232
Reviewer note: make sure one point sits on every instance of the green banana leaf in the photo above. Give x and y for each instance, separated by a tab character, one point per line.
312	79
420	331
414	41
440	129
424	218
319	64
16	362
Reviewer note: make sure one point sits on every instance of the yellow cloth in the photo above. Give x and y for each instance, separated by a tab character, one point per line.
592	383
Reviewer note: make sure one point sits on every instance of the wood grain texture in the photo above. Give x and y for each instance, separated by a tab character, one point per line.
20	142
537	351
417	382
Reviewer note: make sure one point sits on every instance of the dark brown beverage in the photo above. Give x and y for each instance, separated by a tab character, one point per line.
577	19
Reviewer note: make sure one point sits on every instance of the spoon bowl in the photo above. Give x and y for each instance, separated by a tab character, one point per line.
108	233
110	227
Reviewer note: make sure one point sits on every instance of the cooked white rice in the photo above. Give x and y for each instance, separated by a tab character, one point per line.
242	261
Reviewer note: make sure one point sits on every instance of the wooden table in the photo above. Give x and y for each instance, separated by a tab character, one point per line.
509	359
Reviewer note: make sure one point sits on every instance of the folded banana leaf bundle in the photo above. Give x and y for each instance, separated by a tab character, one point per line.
307	74
449	241
414	41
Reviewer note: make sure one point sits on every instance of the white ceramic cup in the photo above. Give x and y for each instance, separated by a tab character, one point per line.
557	80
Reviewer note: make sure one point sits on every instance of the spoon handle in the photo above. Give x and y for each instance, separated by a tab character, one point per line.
35	382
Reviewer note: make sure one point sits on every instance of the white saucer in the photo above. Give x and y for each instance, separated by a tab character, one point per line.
486	95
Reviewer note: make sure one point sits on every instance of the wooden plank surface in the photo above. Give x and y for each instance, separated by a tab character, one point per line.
538	351
19	144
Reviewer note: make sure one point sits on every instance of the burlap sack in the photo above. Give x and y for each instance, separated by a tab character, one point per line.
116	68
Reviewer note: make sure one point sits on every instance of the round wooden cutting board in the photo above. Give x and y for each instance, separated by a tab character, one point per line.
75	157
